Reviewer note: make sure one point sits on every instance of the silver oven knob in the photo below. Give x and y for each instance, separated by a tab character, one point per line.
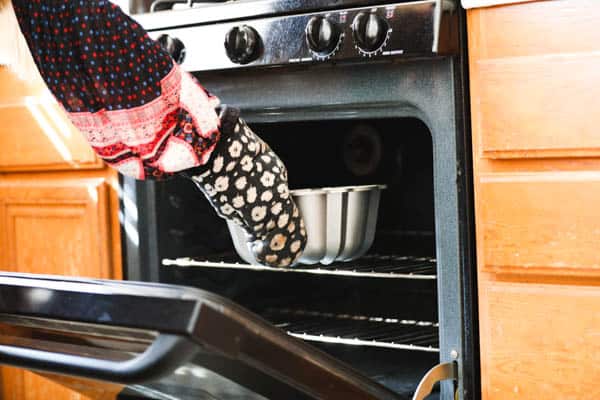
370	32
322	35
243	44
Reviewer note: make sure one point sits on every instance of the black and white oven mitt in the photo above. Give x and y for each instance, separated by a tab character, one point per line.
247	183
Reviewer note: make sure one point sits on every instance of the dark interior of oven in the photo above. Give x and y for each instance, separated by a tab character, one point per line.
378	313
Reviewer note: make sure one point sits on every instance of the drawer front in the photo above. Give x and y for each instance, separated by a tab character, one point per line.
534	29
540	341
56	226
535	80
539	107
540	223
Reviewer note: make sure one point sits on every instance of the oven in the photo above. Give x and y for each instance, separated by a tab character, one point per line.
375	96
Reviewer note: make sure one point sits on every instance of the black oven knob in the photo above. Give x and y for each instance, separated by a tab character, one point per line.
173	46
243	44
322	35
370	32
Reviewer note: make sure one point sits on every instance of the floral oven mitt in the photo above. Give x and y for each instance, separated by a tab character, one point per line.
246	182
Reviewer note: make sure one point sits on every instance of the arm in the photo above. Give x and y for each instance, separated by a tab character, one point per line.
137	109
147	118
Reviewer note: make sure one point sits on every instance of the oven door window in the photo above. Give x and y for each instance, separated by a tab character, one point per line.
210	348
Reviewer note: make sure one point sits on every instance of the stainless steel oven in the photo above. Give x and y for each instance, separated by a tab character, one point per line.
350	92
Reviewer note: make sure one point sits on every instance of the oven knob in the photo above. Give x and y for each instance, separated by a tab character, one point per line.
370	32
173	46
322	35
243	44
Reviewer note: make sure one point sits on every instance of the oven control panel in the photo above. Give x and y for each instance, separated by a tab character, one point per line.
390	30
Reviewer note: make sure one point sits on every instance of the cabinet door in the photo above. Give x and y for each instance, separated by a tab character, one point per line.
535	91
21	385
59	226
540	341
62	225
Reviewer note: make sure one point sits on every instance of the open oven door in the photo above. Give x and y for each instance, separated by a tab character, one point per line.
168	342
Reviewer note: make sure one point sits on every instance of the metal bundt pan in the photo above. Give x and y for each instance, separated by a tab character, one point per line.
340	223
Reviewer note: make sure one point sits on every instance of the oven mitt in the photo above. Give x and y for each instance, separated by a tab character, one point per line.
247	183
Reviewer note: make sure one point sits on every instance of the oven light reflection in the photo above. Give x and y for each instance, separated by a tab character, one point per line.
362	342
130	230
129	217
131	207
39	297
194	371
93	194
47	102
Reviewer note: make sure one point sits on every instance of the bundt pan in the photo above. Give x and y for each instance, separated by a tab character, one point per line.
340	223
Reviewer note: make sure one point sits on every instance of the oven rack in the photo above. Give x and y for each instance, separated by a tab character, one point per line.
369	266
358	330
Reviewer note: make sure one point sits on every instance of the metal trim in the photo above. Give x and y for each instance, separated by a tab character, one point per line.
188	262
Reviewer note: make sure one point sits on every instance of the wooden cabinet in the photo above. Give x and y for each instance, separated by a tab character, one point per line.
35	134
58	210
539	341
29	386
540	223
56	225
535	92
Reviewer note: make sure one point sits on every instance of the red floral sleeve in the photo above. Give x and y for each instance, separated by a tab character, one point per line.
139	111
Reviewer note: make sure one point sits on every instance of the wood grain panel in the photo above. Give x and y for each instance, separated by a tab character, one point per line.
535	90
540	341
30	386
521	115
489	3
537	28
534	83
57	227
48	386
540	223
38	387
35	134
12	380
39	137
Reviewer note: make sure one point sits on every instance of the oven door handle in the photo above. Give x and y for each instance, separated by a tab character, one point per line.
440	372
164	355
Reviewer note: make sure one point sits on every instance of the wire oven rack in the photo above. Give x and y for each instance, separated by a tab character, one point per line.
357	330
371	266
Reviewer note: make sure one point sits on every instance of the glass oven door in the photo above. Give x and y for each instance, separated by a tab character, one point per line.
168	342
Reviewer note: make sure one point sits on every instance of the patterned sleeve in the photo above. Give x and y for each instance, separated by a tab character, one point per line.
139	111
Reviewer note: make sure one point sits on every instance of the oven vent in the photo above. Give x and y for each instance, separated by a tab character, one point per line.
369	266
358	330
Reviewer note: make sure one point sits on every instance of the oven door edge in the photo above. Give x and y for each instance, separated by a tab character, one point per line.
179	326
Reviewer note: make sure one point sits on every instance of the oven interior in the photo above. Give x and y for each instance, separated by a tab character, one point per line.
378	313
